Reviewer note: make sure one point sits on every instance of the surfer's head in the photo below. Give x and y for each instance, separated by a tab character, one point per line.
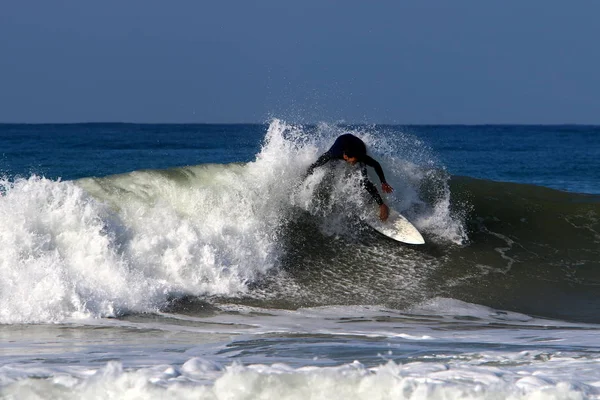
355	151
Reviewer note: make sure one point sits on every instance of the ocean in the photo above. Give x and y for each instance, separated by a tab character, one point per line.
195	261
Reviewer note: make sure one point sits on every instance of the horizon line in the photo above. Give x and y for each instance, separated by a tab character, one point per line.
305	123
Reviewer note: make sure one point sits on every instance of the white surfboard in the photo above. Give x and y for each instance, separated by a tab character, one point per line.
396	227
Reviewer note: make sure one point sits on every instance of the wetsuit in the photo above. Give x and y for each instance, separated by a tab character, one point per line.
353	147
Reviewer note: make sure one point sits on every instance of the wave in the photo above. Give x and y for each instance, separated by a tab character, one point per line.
531	249
257	234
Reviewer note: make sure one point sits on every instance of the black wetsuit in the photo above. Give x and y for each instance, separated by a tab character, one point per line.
352	146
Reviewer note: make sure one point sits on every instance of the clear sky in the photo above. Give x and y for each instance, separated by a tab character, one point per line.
379	61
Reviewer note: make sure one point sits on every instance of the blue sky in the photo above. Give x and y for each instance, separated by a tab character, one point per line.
405	62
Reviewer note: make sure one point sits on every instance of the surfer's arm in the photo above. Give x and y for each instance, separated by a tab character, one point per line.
322	160
368	185
371	162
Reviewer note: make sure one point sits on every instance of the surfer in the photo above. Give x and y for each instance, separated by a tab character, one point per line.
354	151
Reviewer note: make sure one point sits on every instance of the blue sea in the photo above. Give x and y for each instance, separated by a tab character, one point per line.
195	261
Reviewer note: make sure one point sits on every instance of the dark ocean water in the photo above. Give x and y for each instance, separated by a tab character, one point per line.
194	261
561	157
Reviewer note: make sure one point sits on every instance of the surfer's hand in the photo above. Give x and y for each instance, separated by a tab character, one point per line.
384	211
387	188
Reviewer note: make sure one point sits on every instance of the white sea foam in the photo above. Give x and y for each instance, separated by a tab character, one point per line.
201	379
59	256
262	353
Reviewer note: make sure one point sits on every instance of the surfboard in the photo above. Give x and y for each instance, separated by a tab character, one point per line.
396	227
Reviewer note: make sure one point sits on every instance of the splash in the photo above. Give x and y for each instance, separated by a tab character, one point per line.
422	192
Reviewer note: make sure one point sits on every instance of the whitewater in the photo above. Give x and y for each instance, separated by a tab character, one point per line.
241	279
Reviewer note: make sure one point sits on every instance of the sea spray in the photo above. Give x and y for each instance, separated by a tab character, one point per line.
421	185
